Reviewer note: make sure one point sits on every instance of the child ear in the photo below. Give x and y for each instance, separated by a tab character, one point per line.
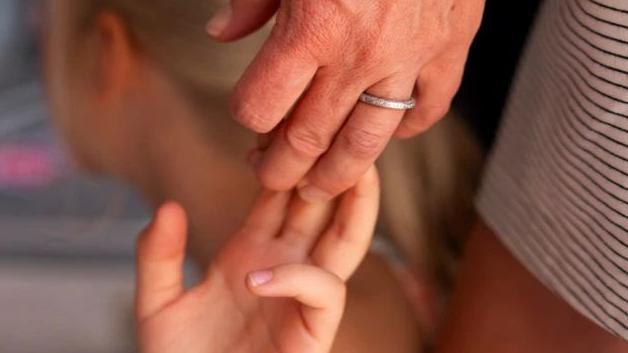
115	61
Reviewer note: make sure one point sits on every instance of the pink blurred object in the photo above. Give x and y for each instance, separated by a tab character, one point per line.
28	165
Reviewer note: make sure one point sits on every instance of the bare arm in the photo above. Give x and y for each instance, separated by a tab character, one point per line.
500	307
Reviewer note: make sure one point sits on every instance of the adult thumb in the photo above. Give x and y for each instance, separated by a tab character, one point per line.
240	18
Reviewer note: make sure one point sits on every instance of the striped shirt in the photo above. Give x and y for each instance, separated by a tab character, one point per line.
556	187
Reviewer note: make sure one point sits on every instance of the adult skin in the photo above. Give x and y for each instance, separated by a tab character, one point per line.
319	59
500	307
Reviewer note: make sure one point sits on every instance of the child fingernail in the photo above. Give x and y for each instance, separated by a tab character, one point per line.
260	278
217	25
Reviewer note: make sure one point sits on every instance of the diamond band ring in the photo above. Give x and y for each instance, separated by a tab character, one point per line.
388	103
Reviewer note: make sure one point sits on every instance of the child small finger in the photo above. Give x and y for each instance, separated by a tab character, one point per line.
344	245
322	295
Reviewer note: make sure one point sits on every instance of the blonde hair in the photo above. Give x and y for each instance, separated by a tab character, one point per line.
172	34
428	182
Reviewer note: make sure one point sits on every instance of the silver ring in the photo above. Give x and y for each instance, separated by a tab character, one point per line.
388	103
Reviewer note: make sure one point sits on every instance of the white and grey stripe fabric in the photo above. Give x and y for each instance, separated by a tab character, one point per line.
556	187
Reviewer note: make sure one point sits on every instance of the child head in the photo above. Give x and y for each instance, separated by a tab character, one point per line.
127	75
139	92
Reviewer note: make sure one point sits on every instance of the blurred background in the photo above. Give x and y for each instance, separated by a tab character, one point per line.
66	240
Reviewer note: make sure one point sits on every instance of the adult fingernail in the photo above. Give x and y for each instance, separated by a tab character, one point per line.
313	194
260	278
217	24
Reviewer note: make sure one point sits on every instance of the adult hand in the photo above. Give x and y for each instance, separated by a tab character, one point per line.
277	286
320	57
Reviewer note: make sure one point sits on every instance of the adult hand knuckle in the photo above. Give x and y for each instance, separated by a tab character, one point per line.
368	56
363	143
307	141
315	26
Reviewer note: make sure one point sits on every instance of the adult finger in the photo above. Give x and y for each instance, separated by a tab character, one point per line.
272	84
321	293
344	245
241	17
309	131
440	79
436	87
358	144
160	257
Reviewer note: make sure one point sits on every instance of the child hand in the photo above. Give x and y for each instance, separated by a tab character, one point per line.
278	285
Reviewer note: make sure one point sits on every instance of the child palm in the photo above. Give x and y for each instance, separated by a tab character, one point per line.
276	286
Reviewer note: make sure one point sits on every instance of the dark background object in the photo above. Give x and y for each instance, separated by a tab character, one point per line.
492	65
